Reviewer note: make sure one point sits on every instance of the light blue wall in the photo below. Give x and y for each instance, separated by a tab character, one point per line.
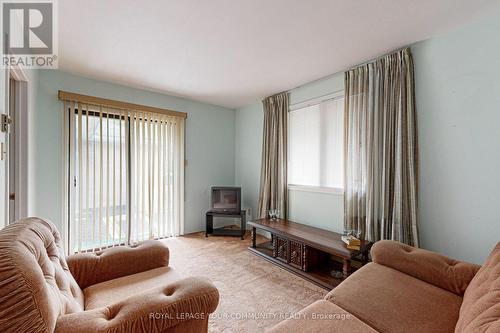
458	105
209	143
458	110
323	210
248	144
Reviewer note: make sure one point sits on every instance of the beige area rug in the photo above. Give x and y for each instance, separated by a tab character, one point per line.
248	285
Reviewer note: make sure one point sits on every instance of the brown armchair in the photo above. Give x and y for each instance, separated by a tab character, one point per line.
122	289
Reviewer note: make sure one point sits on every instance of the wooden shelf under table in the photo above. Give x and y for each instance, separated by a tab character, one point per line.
320	276
307	251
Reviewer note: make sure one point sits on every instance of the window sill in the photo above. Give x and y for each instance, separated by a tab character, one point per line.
317	189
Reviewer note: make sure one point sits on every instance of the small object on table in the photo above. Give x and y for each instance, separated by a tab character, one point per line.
352	242
274	214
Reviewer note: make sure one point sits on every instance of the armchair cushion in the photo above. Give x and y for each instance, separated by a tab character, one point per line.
95	267
433	268
155	310
109	292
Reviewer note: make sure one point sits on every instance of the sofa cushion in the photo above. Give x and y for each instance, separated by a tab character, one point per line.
322	316
36	285
480	310
391	301
431	267
112	291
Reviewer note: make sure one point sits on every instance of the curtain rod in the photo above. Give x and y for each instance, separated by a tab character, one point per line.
73	97
378	58
349	68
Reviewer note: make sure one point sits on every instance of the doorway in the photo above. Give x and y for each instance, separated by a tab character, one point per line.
11	159
14	150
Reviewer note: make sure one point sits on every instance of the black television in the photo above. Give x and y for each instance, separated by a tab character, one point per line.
226	199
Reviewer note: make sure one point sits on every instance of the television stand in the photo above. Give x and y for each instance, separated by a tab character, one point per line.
209	221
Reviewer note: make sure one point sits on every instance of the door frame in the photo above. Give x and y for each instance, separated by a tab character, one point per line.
20	131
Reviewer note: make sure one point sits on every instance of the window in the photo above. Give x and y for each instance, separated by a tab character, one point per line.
316	144
125	176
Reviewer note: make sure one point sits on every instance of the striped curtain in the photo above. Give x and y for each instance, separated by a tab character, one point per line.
381	151
124	179
273	174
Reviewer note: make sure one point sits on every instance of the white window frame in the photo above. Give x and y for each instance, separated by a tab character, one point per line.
300	105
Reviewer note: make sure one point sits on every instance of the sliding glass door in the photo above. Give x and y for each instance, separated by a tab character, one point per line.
125	176
157	177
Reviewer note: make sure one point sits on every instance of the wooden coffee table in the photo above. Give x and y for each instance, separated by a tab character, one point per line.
307	251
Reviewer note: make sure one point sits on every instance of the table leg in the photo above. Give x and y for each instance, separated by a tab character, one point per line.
243	224
254	237
346	269
364	258
209	227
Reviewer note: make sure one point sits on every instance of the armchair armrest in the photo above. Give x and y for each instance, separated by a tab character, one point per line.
431	267
153	311
95	267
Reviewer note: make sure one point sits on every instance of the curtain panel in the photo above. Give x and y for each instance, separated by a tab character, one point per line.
273	176
381	151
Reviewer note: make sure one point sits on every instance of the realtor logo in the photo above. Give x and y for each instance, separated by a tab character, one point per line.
28	34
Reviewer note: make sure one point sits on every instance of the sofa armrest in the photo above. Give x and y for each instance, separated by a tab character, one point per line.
95	267
153	311
431	267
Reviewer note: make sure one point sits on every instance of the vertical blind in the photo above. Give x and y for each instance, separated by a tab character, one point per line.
125	175
316	144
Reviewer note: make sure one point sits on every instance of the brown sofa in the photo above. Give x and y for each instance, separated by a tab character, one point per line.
122	289
406	289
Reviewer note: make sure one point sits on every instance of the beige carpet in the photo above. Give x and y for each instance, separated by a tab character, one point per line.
248	285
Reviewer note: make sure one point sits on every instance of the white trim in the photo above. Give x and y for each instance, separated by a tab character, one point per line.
21	151
66	179
316	189
316	100
18	73
182	159
21	119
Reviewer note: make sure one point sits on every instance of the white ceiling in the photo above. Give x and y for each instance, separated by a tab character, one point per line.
234	52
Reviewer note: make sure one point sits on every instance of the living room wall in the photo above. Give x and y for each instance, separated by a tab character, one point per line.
458	105
209	143
458	98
